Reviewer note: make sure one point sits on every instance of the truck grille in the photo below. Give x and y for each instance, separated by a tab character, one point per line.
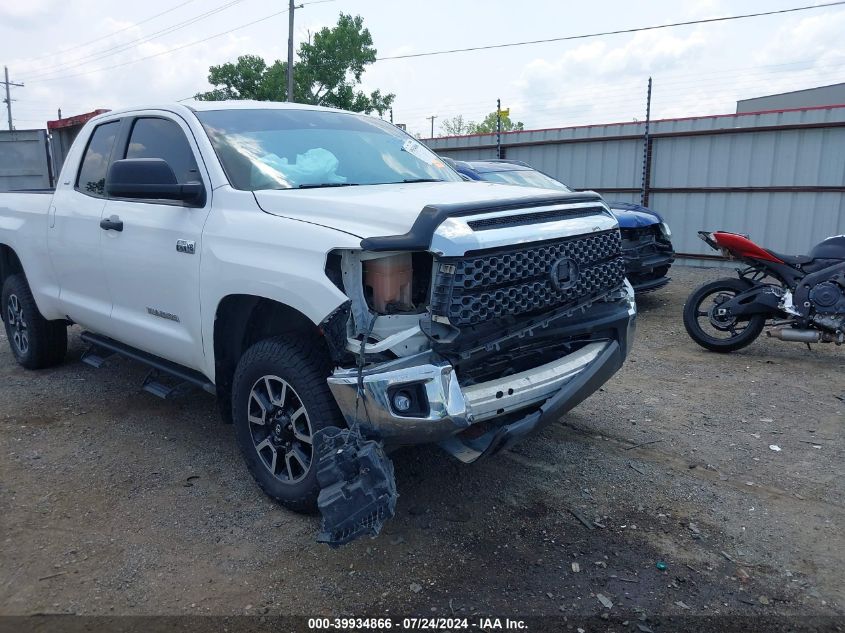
521	280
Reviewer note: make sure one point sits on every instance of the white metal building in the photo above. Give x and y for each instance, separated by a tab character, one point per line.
809	98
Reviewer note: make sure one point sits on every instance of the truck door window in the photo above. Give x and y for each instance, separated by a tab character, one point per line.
95	163
162	138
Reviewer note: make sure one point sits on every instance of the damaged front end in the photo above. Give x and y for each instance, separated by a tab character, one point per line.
648	255
357	486
509	319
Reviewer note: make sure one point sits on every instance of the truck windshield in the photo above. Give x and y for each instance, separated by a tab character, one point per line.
524	178
289	149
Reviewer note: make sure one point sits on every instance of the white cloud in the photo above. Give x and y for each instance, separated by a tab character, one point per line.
603	79
697	70
163	77
703	9
817	38
29	13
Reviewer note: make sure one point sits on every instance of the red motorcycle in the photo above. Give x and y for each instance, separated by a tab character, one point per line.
801	298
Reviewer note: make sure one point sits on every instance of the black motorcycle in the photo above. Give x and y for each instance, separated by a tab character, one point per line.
801	297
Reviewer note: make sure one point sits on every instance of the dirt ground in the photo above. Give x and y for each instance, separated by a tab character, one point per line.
115	502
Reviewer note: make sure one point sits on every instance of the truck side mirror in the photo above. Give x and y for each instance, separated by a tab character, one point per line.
150	178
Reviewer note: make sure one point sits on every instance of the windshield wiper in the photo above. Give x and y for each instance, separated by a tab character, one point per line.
422	180
319	185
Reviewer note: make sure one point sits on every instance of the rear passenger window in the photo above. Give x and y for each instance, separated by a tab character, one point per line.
162	138
95	162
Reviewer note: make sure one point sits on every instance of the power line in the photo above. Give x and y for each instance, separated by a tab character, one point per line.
118	48
178	48
616	109
98	39
618	32
674	82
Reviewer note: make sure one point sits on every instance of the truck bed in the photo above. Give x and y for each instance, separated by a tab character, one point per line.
23	230
21	208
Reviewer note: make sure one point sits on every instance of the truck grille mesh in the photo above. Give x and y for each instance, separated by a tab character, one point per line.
515	281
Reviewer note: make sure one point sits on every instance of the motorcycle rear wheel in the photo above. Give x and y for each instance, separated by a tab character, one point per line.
712	331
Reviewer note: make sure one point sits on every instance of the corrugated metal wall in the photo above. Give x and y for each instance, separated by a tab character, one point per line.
24	160
778	176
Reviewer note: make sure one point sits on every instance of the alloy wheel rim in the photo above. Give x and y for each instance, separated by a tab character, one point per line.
720	323
280	429
17	324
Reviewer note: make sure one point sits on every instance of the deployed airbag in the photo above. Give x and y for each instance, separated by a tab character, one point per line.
316	166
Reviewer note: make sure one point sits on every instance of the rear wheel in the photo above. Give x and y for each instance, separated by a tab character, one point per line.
713	330
36	342
280	399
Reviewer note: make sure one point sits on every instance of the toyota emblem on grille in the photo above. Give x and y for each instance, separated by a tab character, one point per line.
564	273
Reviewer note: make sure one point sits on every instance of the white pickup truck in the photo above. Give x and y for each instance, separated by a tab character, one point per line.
316	269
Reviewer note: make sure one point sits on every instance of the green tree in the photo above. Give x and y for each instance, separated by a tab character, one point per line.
456	125
245	79
488	124
327	73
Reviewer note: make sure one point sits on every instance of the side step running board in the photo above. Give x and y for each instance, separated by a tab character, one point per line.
102	347
95	356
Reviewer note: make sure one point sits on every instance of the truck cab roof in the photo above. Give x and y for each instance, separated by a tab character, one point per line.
194	105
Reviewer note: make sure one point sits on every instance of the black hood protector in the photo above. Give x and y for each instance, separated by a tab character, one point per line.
419	237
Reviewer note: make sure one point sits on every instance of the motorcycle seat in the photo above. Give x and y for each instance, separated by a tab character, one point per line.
792	260
831	248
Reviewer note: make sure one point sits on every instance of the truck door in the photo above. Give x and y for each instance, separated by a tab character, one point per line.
74	235
152	262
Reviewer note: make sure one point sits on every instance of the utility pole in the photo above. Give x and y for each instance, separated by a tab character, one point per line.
498	128
431	118
8	98
646	150
291	10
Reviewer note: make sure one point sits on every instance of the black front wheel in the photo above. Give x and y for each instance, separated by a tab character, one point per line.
712	328
280	399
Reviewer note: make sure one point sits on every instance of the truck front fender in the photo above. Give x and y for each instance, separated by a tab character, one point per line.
281	261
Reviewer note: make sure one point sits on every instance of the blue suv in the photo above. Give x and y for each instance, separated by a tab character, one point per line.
646	246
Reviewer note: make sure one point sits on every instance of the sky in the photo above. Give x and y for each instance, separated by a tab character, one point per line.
90	54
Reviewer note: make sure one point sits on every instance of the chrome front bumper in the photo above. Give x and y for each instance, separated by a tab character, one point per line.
451	408
448	409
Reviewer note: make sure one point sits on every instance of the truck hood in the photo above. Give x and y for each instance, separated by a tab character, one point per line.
377	210
632	215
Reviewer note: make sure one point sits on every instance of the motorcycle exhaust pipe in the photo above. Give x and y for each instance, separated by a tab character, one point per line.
785	333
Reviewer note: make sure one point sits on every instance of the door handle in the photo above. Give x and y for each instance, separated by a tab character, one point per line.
113	223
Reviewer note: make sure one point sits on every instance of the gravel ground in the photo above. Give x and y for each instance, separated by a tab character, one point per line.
115	502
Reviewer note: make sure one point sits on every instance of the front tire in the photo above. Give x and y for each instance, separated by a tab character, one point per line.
712	331
36	342
280	399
